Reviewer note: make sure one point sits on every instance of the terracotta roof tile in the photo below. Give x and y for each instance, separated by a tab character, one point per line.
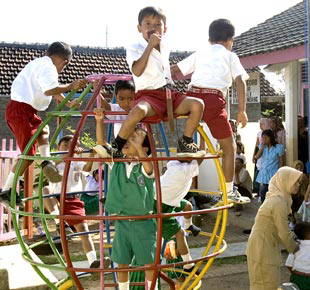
278	32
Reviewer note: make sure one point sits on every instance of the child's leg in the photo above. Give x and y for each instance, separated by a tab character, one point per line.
182	247
51	204
87	243
188	219
123	278
141	110
194	107
149	277
229	147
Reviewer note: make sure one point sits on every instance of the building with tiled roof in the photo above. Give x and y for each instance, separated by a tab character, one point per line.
280	38
85	61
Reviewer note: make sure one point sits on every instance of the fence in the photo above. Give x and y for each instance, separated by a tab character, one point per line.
6	160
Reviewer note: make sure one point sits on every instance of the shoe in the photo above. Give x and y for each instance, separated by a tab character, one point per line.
108	151
236	197
68	229
247	231
102	200
96	263
189	149
191	269
194	229
50	171
5	197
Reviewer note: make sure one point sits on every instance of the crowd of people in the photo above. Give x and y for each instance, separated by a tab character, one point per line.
131	191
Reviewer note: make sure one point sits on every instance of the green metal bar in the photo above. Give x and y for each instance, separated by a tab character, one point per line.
27	157
37	264
64	114
26	253
71	111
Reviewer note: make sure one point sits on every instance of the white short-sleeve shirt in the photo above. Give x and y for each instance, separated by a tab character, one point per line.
74	183
177	180
300	261
157	72
91	185
37	77
116	126
213	67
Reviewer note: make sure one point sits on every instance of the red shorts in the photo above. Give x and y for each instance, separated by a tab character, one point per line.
74	206
23	121
214	114
157	100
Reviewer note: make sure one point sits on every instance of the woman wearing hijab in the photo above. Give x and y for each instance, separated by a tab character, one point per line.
271	229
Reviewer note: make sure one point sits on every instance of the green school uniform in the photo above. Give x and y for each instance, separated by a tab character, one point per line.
133	195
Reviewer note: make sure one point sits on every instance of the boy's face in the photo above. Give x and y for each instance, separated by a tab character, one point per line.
129	149
125	99
151	24
60	63
64	145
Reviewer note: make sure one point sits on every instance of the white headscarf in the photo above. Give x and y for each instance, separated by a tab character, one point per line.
281	184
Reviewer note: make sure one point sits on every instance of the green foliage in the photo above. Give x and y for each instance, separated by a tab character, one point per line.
86	140
268	113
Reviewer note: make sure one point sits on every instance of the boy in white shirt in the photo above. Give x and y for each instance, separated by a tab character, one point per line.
299	262
148	60
32	90
213	69
125	94
73	205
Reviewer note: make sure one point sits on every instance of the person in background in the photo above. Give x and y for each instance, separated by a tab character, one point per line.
263	125
240	152
242	178
271	229
272	155
234	128
303	144
278	130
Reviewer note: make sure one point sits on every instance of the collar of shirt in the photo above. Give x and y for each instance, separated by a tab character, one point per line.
129	167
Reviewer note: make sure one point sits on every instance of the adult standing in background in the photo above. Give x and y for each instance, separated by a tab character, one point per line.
263	125
272	155
271	229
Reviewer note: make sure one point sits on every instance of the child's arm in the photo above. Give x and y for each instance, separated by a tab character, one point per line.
88	166
137	143
100	135
175	71
260	152
76	85
139	65
70	104
241	88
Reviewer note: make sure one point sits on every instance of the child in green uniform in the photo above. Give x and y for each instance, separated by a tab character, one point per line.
131	192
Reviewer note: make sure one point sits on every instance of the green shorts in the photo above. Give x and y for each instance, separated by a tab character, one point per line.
134	239
303	282
171	225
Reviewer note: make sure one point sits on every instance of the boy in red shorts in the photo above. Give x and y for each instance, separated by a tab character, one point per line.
73	205
32	90
213	69
148	61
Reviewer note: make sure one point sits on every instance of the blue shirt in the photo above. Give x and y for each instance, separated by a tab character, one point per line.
270	162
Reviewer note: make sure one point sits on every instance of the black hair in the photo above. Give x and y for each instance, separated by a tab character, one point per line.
221	30
146	142
96	171
153	11
124	85
61	49
240	144
302	230
241	160
66	138
271	136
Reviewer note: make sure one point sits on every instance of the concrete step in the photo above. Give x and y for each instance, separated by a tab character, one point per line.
17	274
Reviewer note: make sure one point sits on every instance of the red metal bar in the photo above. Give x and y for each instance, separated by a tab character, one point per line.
64	186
